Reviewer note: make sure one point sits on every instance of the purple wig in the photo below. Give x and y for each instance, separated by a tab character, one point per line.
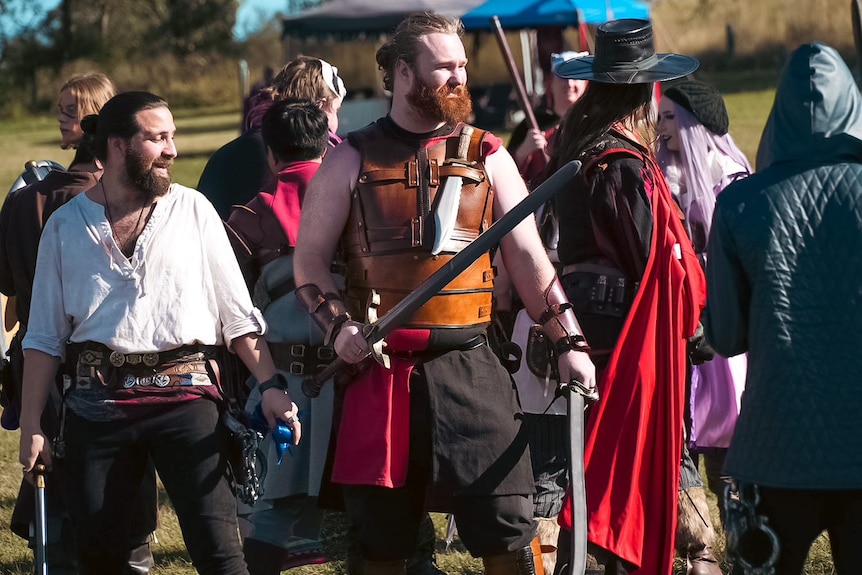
707	163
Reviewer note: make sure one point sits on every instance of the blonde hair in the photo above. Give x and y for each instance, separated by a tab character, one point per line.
91	91
301	78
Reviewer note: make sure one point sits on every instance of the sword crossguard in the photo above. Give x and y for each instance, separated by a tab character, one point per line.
590	395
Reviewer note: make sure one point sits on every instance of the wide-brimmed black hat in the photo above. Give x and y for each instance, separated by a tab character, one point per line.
625	54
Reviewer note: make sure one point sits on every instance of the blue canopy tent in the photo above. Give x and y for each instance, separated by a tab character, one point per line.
534	13
361	17
351	18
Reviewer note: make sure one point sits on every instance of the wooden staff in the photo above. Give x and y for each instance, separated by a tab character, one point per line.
856	16
513	72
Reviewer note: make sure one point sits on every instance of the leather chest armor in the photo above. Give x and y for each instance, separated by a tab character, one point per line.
388	236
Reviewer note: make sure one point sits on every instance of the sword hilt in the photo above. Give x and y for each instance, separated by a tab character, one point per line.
464	142
312	384
590	395
39	475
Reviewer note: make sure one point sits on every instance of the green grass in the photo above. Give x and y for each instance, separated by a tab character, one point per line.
200	132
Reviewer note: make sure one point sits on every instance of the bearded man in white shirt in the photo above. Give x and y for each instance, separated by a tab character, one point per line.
135	285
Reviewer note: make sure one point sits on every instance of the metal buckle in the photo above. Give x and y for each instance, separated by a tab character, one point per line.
297	350
90	357
296	368
133	358
117	359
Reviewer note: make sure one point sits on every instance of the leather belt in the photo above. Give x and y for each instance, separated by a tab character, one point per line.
96	354
300	358
162	379
435	350
598	289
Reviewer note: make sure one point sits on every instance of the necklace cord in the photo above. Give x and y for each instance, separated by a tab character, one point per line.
111	220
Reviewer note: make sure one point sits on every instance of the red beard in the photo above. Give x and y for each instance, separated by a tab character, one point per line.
440	105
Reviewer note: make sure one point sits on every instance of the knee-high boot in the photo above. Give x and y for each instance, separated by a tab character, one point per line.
524	561
140	560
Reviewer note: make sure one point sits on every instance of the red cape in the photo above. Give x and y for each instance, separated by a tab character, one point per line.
634	438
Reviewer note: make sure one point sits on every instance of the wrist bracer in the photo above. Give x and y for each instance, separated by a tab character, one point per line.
558	321
326	309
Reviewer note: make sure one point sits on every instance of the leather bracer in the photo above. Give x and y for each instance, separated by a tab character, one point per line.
327	310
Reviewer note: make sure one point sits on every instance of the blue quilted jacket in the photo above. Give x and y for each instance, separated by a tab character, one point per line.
785	284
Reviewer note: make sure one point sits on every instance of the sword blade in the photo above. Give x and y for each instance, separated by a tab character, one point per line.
41	560
575	416
446	214
403	310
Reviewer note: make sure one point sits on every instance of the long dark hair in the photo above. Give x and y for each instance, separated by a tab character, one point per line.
117	119
602	106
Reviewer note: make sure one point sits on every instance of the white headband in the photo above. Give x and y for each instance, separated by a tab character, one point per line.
332	79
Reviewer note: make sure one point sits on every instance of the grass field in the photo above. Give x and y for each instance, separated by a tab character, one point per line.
200	133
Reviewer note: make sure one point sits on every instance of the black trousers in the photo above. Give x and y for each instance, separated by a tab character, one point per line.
799	516
104	465
385	522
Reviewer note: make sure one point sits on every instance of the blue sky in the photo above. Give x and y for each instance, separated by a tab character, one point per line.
250	16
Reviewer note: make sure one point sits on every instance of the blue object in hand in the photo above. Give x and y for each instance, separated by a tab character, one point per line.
282	433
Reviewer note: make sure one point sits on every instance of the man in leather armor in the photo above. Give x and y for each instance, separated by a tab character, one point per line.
440	427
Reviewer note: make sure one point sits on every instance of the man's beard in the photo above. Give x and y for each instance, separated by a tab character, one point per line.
141	174
439	105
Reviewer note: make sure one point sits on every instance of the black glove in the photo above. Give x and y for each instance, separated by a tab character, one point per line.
699	350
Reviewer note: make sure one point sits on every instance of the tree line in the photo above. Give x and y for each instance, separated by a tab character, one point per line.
110	32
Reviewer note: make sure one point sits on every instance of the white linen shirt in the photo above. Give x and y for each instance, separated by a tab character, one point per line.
181	286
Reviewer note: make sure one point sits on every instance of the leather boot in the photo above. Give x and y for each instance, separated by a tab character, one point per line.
703	562
263	558
524	561
140	560
422	562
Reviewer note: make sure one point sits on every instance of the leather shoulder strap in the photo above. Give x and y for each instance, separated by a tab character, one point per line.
605	155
